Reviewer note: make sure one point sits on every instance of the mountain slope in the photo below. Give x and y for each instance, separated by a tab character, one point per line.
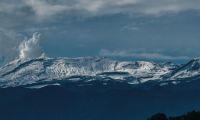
189	70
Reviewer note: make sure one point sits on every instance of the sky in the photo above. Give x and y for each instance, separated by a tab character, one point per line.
166	30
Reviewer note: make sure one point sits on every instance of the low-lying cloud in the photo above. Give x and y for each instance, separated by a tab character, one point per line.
141	55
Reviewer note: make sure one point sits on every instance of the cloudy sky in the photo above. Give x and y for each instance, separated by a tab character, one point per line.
135	29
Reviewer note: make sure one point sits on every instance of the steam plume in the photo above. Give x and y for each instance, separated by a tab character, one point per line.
30	48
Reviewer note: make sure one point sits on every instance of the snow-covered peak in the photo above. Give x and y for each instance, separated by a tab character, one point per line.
189	70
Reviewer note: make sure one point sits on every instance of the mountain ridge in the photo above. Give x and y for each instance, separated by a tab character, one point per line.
22	72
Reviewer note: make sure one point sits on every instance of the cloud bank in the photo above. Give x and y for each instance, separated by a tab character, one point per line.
48	8
141	55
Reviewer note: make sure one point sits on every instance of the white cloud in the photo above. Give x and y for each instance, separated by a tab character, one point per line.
43	9
150	7
143	55
48	8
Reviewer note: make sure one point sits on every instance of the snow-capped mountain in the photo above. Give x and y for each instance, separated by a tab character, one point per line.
189	70
22	72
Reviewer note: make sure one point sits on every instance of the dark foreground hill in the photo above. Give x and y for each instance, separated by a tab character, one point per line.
194	115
